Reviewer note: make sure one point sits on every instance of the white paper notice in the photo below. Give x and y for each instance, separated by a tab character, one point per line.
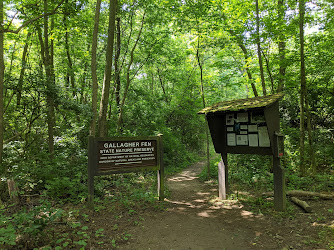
253	140
243	127
242	140
264	140
231	139
242	117
229	129
243	132
252	128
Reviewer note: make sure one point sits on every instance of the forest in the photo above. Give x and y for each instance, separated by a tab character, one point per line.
73	69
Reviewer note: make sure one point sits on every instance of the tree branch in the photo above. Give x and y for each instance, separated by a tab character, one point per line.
25	24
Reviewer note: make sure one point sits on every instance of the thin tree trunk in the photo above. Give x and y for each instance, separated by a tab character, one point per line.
84	82
162	86
2	72
52	26
302	88
269	73
204	105
117	68
281	48
310	137
107	71
23	67
264	91
42	51
128	80
49	81
245	52
70	71
243	48
92	131
12	57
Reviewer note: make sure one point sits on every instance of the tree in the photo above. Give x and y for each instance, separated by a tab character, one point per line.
204	104
93	68
23	67
2	72
259	47
48	60
128	79
304	104
302	88
281	46
107	71
238	37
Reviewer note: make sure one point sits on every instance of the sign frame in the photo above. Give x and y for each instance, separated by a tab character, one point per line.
95	167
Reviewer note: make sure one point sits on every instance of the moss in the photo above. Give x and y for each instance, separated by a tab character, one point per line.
242	104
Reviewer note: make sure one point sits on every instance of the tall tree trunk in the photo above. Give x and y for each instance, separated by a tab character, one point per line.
2	72
92	131
107	71
302	88
84	80
310	137
48	59
281	47
117	67
70	70
128	80
23	67
264	91
204	105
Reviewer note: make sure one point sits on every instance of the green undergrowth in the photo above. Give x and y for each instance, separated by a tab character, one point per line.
52	212
52	224
252	171
250	176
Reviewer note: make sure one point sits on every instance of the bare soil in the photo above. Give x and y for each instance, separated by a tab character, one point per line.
195	219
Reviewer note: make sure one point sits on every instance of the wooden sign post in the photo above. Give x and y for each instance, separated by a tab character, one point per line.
248	126
115	155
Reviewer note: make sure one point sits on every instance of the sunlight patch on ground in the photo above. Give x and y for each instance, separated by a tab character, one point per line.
225	204
202	194
199	201
247	214
329	224
182	178
206	214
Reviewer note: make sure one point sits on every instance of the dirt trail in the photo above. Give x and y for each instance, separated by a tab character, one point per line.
193	222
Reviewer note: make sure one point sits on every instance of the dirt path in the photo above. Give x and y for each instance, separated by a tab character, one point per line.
193	222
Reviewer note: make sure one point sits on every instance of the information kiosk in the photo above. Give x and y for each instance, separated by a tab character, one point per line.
248	126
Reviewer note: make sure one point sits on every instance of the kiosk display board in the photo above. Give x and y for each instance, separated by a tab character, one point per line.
248	126
246	129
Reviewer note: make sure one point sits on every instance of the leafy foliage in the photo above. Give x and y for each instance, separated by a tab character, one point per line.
161	93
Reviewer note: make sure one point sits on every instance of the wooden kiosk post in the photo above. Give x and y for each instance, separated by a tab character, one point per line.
248	126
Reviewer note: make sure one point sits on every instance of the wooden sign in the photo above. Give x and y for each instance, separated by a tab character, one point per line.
116	155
